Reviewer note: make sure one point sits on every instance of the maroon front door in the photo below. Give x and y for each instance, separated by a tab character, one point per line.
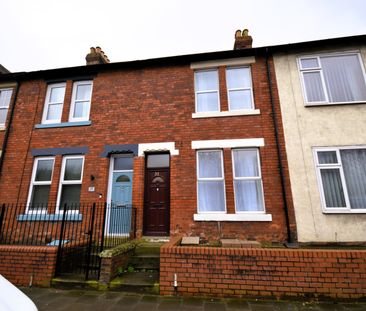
156	210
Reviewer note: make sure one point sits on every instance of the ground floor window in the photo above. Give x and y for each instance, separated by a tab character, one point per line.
248	188
341	174
41	183
211	181
70	181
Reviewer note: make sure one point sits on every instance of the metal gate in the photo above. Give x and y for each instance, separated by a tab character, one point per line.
84	234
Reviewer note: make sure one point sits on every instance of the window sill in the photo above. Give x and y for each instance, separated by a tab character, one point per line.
49	217
2	128
64	124
322	104
234	113
232	217
345	211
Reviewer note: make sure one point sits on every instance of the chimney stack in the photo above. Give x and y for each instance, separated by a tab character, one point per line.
96	56
242	40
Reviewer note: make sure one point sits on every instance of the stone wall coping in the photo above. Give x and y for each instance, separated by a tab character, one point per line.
172	247
28	248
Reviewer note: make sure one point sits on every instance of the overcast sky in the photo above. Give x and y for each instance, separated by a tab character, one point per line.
44	34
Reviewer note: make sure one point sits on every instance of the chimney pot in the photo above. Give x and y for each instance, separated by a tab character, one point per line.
96	56
242	40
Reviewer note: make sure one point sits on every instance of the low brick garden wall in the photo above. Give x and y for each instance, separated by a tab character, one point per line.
23	265
237	272
112	260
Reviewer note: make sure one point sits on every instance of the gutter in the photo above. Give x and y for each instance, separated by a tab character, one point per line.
290	241
7	129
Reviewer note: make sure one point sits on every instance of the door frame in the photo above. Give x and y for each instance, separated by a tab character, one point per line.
109	190
145	192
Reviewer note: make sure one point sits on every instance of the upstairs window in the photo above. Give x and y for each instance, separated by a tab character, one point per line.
80	102
211	181
342	179
207	90
5	96
55	96
239	88
337	78
40	184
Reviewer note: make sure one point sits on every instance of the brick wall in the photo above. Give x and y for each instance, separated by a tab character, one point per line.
20	263
147	105
262	272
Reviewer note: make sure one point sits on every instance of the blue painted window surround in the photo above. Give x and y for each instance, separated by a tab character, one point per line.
49	217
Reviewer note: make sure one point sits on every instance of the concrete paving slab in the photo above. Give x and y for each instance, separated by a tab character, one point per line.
48	299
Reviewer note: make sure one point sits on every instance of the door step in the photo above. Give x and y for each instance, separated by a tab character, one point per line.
137	282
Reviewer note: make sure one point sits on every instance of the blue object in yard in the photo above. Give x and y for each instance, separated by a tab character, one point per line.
57	242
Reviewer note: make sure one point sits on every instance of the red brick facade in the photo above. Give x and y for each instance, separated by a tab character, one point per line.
148	105
262	272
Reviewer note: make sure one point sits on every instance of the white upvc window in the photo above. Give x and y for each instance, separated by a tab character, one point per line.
239	88
207	90
210	182
248	188
70	182
40	184
337	78
80	102
52	112
5	97
341	173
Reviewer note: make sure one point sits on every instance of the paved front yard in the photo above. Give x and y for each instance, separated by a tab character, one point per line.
55	299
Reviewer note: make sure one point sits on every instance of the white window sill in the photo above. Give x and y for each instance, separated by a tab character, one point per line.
234	113
232	217
314	104
2	128
345	211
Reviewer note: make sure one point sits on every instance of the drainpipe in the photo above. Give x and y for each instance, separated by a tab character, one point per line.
279	155
7	129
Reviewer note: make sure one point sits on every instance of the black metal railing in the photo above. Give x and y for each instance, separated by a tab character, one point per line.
21	224
80	231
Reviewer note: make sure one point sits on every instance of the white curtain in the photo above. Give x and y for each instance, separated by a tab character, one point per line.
248	192
344	78
332	186
211	196
207	81
354	167
238	78
313	86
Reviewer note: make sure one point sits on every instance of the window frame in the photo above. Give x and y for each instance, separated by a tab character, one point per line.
338	165
207	91
47	103
68	182
211	179
74	101
2	125
240	89
319	69
259	177
33	182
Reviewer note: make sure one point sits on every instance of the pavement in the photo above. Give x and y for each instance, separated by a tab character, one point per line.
56	299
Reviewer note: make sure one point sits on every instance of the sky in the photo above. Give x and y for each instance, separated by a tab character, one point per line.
46	34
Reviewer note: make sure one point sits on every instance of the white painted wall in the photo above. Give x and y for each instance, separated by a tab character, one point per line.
308	127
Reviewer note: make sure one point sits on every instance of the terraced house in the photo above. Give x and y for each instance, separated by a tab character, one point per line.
322	89
226	146
193	143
